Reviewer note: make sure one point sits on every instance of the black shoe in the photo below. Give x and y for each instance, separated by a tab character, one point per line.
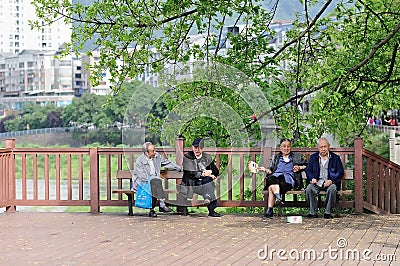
185	211
152	213
310	216
268	216
328	216
279	202
214	214
164	209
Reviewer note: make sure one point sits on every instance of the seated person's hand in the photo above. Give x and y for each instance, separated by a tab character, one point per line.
206	173
263	169
314	181
297	168
327	183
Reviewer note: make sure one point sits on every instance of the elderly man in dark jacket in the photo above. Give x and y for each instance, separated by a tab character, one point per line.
324	172
199	172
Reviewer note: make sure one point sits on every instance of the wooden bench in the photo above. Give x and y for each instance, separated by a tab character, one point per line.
345	191
167	174
121	175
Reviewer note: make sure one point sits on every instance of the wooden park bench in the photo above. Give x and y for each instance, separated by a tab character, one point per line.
167	174
121	175
341	200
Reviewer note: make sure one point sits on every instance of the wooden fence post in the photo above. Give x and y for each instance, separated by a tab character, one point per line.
94	181
10	168
179	149
266	155
358	175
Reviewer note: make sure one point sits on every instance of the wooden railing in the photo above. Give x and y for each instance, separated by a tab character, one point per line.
86	176
7	176
381	193
6	185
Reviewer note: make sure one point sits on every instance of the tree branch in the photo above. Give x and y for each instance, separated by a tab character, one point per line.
373	51
340	78
367	7
309	27
305	31
391	67
138	25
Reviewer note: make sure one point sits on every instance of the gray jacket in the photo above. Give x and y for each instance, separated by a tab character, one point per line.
142	169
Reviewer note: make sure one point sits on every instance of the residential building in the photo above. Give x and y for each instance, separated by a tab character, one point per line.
80	80
35	76
16	34
103	88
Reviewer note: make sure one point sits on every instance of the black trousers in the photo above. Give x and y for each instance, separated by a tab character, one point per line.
204	187
278	180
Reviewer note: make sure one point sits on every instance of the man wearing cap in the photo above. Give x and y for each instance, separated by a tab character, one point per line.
199	172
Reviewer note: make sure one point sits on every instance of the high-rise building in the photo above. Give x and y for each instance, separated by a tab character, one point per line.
16	34
35	76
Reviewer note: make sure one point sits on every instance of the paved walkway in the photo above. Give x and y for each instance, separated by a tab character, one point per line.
29	238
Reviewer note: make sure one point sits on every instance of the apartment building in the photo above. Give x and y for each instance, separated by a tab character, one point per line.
40	76
103	88
29	71
35	76
16	34
82	76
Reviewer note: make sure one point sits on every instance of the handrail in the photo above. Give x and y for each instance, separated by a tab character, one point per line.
86	176
6	178
382	184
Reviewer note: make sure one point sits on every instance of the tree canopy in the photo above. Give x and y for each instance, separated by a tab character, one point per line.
100	110
344	64
32	116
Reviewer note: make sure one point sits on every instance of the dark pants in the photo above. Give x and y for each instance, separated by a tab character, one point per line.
311	195
204	187
278	180
157	191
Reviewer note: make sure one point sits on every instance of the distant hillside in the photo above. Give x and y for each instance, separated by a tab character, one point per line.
287	9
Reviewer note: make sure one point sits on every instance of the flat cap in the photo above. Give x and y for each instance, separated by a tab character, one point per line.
198	142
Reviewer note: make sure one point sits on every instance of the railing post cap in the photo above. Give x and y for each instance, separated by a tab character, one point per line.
10	143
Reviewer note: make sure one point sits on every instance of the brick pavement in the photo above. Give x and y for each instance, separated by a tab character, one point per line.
36	238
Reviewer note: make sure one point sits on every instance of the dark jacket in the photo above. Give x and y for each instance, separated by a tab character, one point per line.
192	166
335	168
298	159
